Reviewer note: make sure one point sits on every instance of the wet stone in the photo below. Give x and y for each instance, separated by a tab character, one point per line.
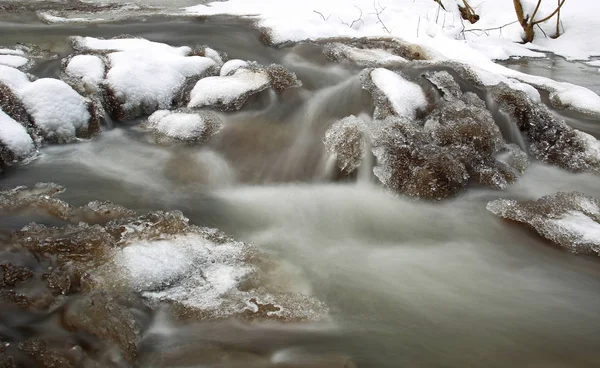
48	358
99	315
15	274
445	83
571	220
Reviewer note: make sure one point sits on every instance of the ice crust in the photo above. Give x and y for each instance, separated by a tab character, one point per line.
404	97
570	220
348	140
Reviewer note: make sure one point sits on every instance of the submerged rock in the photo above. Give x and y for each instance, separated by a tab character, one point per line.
201	272
571	220
347	139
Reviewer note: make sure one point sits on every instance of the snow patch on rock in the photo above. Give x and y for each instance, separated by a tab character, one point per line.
81	66
196	127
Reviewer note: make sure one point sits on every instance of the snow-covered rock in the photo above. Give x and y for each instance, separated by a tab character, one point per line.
15	142
195	127
347	139
144	76
393	94
15	61
57	110
231	66
48	107
86	66
571	220
229	92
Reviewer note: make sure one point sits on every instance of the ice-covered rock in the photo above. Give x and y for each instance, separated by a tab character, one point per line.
571	220
409	163
15	142
201	272
445	83
550	139
373	51
393	95
144	76
347	139
193	127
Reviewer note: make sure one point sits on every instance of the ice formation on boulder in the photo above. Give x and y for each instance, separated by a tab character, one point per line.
550	139
571	220
347	139
185	126
201	272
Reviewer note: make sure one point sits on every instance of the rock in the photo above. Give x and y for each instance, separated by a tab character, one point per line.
571	220
48	358
58	113
191	127
15	274
373	50
393	95
102	317
445	83
347	139
550	140
144	76
409	163
231	91
201	272
15	142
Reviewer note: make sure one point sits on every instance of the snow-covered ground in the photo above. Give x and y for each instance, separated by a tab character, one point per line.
497	35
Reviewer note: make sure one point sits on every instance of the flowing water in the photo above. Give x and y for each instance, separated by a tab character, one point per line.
409	283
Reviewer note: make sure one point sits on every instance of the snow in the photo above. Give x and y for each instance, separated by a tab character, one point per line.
81	66
12	77
227	90
213	54
581	228
12	52
14	136
186	268
231	66
424	23
13	60
406	97
55	107
178	125
145	73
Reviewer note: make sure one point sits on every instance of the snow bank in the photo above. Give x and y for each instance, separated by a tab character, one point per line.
228	92
15	137
424	23
145	76
191	127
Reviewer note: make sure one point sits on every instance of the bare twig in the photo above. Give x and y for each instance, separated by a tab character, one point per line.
377	13
418	26
359	19
545	35
490	29
322	16
551	15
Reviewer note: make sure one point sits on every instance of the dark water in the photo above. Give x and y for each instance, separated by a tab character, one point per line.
409	284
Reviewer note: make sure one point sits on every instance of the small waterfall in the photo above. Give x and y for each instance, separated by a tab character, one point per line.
508	127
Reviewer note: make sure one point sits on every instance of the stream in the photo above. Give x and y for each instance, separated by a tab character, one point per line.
408	283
